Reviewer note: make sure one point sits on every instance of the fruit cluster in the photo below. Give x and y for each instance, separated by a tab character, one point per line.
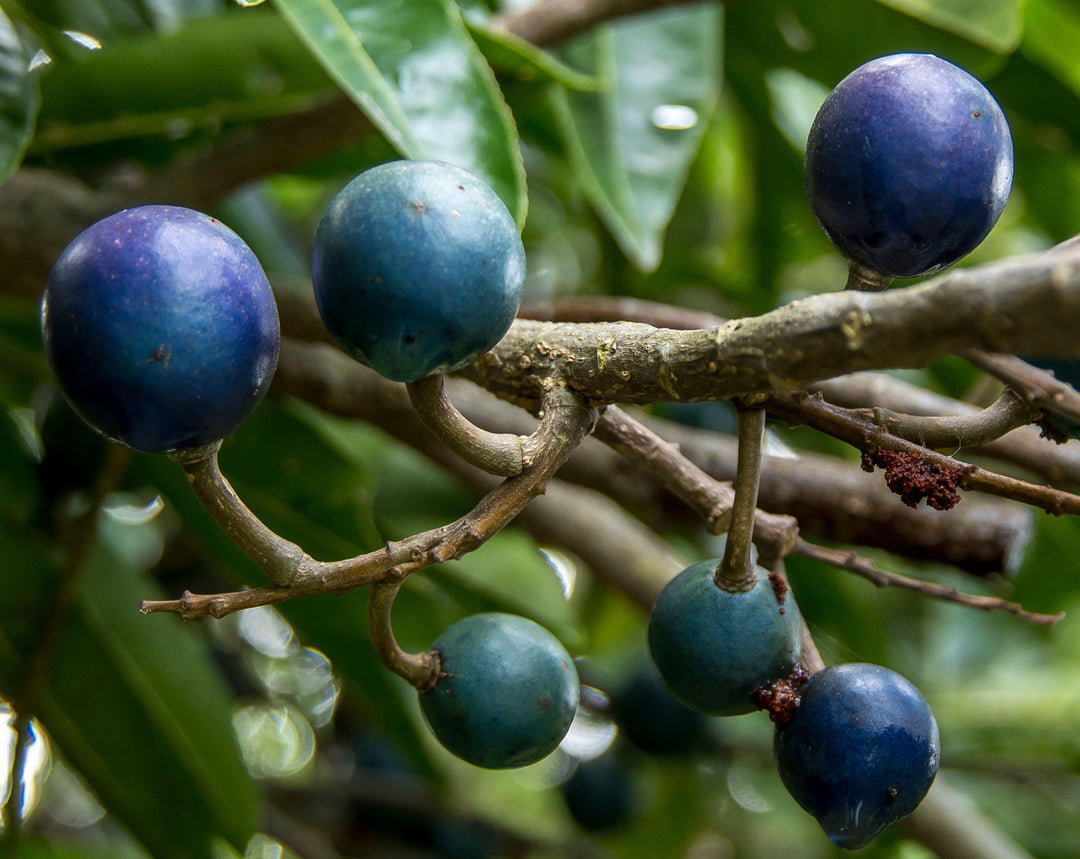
162	331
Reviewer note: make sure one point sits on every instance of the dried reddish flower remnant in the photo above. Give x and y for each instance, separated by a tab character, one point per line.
913	479
1049	431
779	586
781	699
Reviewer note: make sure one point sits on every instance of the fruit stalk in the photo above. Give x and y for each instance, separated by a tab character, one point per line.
502	454
866	279
735	572
419	669
283	561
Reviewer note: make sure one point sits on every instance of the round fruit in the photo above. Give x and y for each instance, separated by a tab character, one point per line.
713	648
161	328
600	794
418	268
861	751
654	721
508	693
908	164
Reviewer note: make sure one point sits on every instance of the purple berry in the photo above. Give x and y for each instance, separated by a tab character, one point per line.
908	164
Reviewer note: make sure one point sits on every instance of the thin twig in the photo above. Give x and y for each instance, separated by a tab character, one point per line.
564	423
863	434
710	498
1039	387
1057	464
1010	411
834	499
850	561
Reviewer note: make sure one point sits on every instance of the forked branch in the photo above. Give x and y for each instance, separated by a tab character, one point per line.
565	422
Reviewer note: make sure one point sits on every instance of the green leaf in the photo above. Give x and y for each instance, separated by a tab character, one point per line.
416	74
995	24
209	72
510	54
632	144
135	705
1052	33
106	20
18	99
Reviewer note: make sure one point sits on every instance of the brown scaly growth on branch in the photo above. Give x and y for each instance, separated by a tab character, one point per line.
914	479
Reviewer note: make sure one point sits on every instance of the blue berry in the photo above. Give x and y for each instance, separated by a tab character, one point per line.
713	648
508	694
160	327
418	268
909	163
600	794
650	718
860	752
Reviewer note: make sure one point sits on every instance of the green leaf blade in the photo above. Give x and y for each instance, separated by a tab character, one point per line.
632	144
18	99
418	76
994	24
135	706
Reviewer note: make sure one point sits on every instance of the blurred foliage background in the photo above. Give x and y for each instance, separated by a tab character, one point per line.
657	156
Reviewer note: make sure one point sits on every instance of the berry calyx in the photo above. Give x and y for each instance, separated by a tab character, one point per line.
507	693
909	164
714	647
860	752
418	268
161	328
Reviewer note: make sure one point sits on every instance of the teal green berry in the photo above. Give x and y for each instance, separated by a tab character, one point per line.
508	693
713	647
418	268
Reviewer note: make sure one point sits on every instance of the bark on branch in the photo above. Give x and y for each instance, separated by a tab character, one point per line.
1028	304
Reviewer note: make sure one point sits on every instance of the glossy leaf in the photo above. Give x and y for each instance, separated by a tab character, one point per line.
631	144
209	72
18	98
510	54
416	74
110	19
995	24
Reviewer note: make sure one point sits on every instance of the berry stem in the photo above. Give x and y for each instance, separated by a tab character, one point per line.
865	279
501	454
735	572
421	670
282	561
